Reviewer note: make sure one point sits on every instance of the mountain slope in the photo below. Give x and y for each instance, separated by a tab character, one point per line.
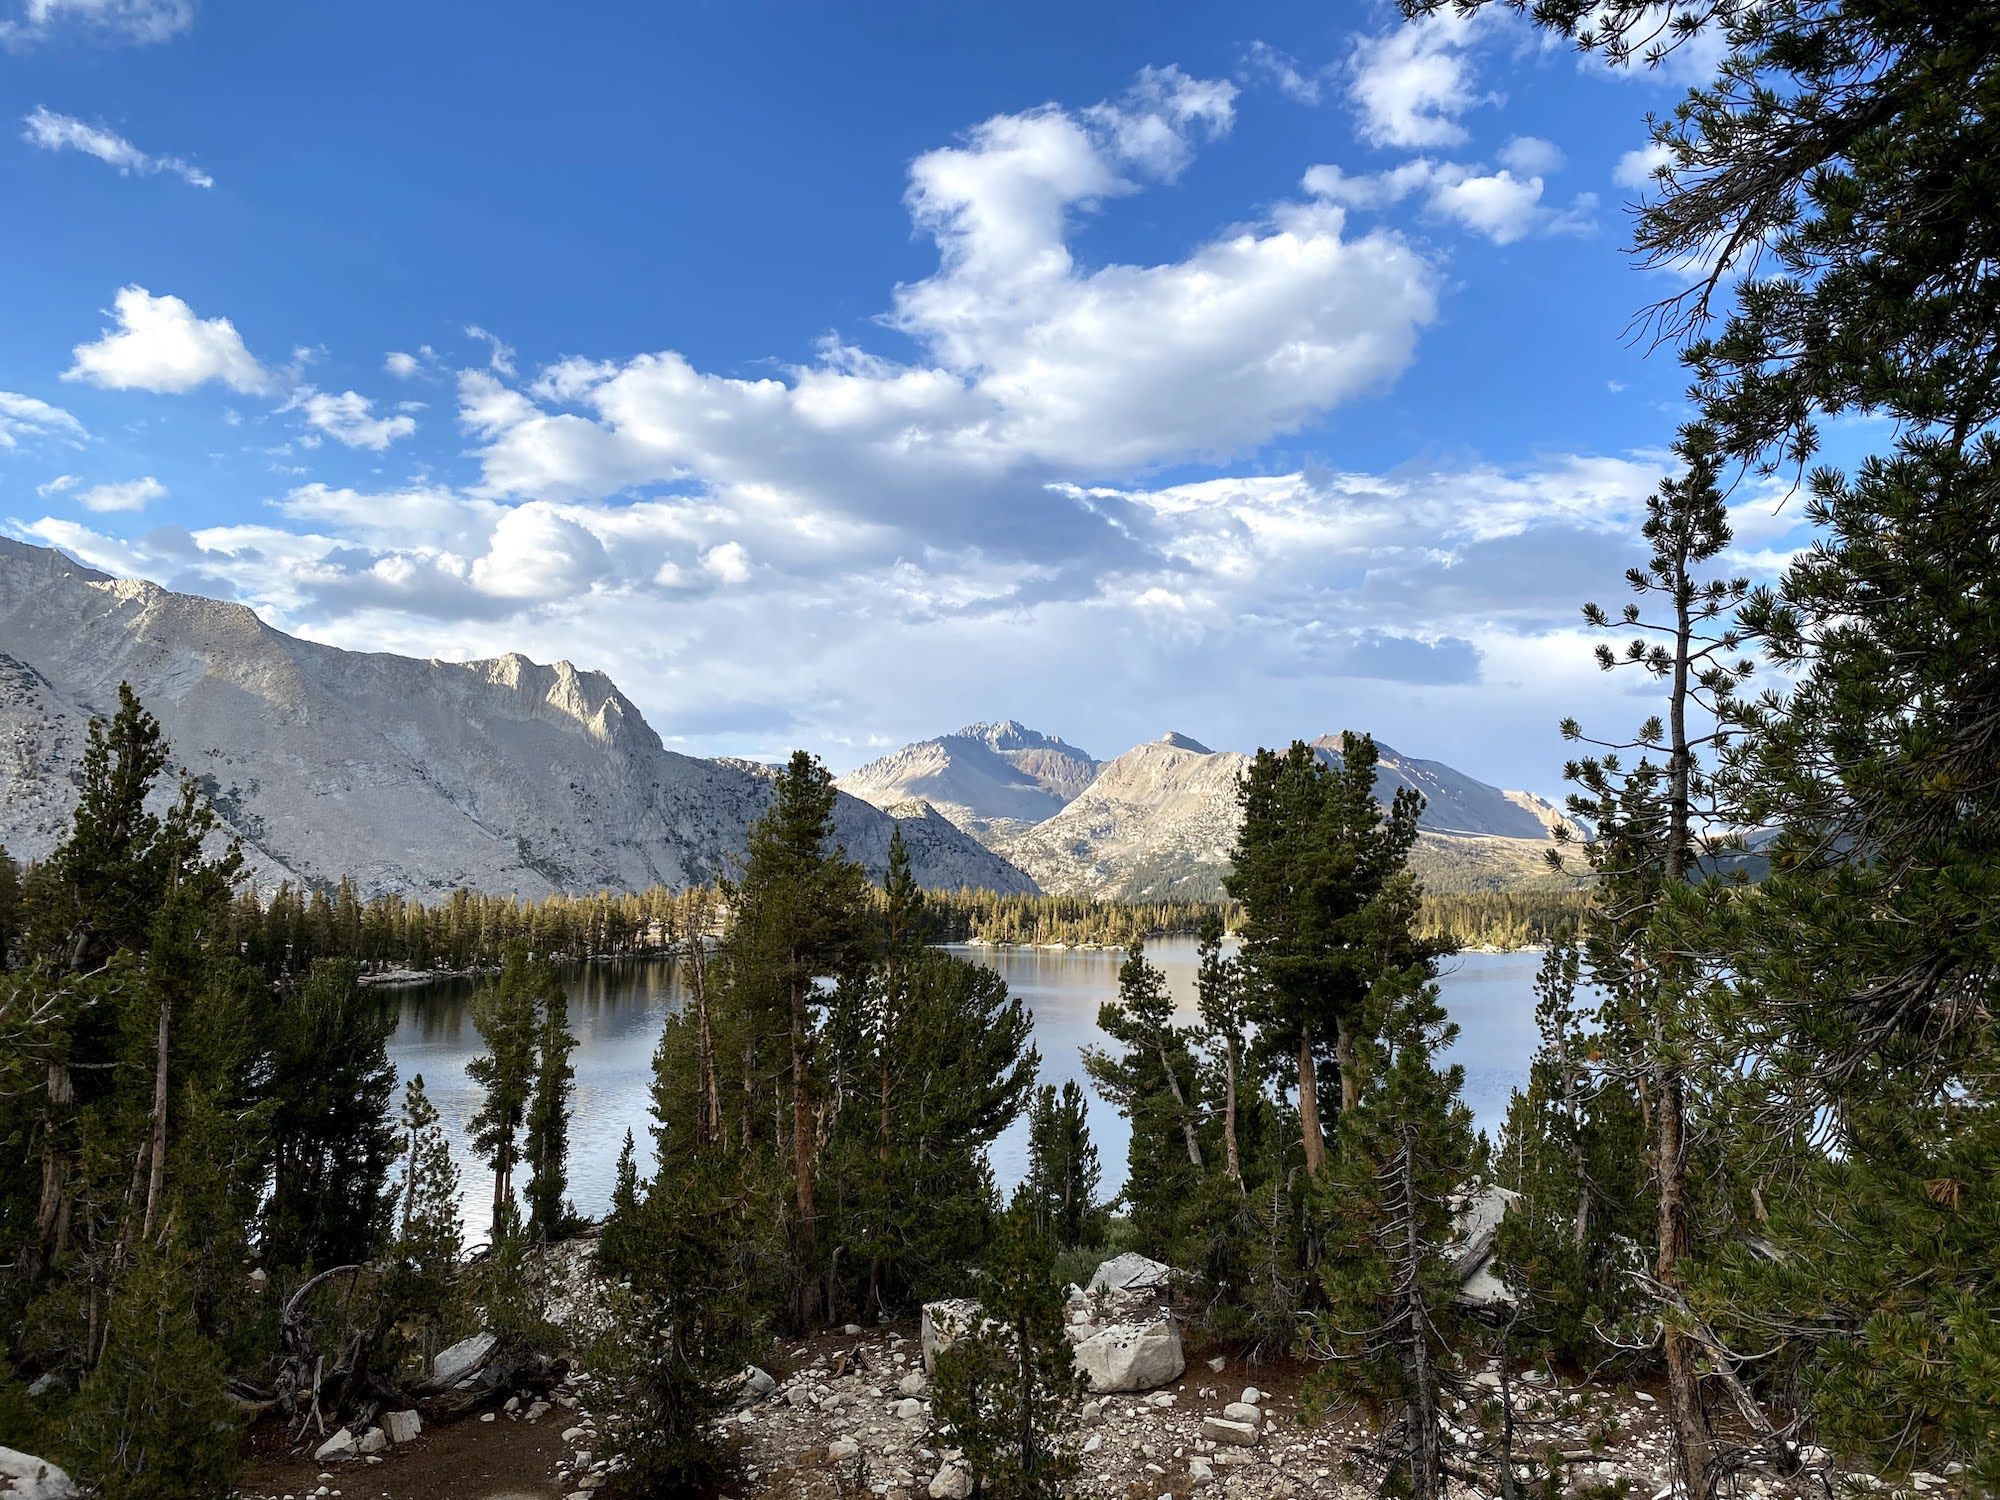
1160	822
412	776
987	778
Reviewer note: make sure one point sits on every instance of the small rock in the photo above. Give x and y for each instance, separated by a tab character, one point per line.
341	1445
952	1482
402	1426
913	1384
1223	1430
910	1409
486	1416
1251	1396
840	1450
1219	1364
536	1411
1243	1411
374	1440
851	1330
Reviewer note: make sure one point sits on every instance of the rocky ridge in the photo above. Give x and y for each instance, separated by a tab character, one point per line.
411	776
1160	821
988	779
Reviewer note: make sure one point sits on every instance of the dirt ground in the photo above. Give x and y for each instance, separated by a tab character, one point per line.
470	1460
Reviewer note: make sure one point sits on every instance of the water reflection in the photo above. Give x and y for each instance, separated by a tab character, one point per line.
617	1008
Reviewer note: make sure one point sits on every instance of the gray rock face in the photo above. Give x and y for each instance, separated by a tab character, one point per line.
31	1478
402	1426
410	776
1478	1213
464	1358
986	778
1131	1272
945	1323
1160	821
1137	1356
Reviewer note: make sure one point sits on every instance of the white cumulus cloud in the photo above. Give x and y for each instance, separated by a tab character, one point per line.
27	418
139	21
53	132
537	553
349	418
1034	367
1410	84
130	494
160	345
1505	205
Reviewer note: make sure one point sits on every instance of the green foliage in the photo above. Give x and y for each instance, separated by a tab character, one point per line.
1386	1208
1008	1393
331	1140
1152	1082
153	1420
1060	1189
424	1283
547	1149
508	1012
1572	1148
1329	909
688	1254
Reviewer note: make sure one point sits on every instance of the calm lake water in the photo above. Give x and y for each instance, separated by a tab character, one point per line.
616	1010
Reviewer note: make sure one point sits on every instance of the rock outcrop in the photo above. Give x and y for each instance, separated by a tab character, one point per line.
410	776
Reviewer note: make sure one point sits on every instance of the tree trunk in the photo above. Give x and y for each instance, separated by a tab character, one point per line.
1309	1127
1581	1230
157	1137
802	1161
1343	1057
1180	1103
52	1216
1232	1160
1693	1442
1421	1410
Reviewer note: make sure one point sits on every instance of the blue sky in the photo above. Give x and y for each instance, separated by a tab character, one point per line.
834	374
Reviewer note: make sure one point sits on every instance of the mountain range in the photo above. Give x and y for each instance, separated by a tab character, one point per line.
409	776
507	775
1160	820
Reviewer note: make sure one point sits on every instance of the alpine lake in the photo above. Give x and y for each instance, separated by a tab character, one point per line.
617	1006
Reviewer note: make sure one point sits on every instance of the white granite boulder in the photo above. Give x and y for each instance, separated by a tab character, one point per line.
945	1323
31	1478
402	1426
462	1360
1132	1273
1135	1356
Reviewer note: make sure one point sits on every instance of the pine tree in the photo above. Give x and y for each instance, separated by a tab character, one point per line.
1008	1393
1060	1188
1329	908
547	1120
428	1246
799	918
1405	1153
331	1140
1571	1148
1218	986
679	1323
153	1420
1151	1082
505	1012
